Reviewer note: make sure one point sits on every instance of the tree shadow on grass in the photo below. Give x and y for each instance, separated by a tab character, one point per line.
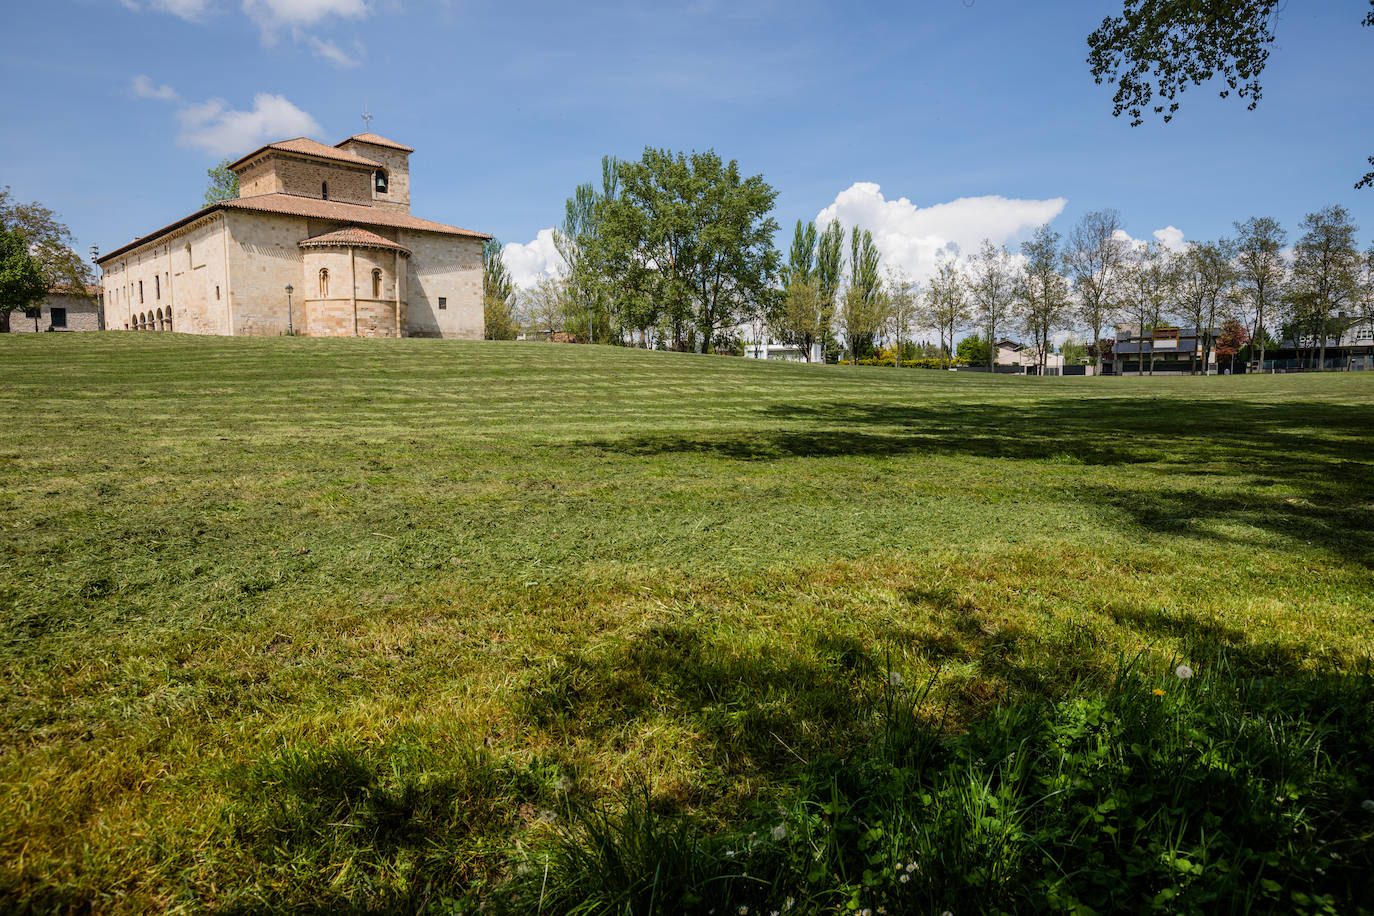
1221	444
758	711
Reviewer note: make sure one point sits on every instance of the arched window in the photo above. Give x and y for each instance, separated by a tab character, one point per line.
160	325
324	190
140	292
380	178
324	283
157	286
188	255
376	283
169	317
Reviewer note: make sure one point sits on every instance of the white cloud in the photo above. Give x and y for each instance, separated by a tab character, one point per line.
528	262
914	238
273	18
145	88
273	15
190	10
213	127
1170	237
331	52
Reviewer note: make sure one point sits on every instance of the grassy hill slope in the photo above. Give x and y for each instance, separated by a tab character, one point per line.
246	583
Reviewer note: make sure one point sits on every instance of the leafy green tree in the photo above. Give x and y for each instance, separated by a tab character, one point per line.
545	306
1326	271
1073	350
1094	255
224	184
829	271
1146	292
974	351
22	282
694	235
50	242
992	292
1156	49
794	317
1205	273
1260	273
498	293
1042	292
946	304
903	300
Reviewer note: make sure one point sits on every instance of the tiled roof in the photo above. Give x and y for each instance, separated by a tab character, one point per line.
346	213
291	205
369	137
304	146
353	236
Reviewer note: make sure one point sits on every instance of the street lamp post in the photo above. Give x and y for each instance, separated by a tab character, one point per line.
290	323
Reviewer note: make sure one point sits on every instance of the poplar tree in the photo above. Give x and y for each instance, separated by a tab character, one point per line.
498	293
829	270
862	309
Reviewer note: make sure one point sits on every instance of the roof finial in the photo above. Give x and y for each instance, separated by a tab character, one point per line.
367	119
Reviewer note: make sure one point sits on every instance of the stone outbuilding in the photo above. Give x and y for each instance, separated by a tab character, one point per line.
333	223
62	309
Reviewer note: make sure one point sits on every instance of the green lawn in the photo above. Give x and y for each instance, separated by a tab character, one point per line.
247	582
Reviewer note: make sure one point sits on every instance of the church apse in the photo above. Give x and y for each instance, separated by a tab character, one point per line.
354	283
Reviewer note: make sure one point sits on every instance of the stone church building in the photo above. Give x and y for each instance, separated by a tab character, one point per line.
331	222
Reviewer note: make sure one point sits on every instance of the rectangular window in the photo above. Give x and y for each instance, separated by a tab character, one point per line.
157	286
140	292
443	303
59	317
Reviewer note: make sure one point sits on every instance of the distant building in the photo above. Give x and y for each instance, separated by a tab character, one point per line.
1026	359
1351	348
1163	351
758	343
63	309
331	222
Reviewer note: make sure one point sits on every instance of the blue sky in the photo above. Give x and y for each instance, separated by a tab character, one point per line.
873	113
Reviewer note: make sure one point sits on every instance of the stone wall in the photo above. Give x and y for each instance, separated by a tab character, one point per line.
303	177
397	165
264	259
183	275
447	266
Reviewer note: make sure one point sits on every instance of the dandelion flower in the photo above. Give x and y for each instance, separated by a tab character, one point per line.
1368	805
1157	692
894	678
780	832
1183	672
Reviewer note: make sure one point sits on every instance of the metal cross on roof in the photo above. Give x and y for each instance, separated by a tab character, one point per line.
367	119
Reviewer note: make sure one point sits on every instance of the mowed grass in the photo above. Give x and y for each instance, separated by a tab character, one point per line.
300	622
